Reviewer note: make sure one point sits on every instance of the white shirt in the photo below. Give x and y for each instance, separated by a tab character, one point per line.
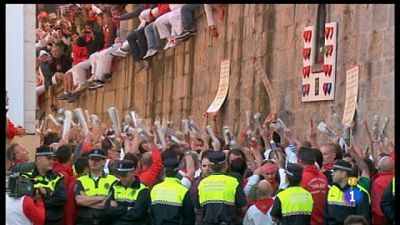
255	217
14	211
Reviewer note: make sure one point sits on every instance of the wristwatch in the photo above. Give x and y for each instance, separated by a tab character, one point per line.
187	153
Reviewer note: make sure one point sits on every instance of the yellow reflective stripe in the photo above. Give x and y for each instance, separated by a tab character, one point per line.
365	191
50	184
169	192
218	189
128	194
393	183
296	201
103	187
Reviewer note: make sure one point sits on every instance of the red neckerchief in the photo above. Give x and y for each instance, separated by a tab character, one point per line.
264	204
327	166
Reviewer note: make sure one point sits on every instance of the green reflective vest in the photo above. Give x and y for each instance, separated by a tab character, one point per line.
45	181
101	187
295	201
218	188
169	192
336	196
127	194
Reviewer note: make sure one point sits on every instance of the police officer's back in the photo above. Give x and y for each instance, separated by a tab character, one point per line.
129	199
170	200
92	190
219	195
294	204
50	185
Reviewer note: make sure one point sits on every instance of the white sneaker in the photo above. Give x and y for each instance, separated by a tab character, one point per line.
119	53
168	45
150	53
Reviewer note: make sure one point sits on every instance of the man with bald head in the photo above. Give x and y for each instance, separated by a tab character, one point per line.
259	213
379	183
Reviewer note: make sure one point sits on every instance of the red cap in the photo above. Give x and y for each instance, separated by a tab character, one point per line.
268	168
42	15
87	147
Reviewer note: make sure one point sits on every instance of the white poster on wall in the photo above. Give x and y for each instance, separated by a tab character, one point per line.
222	87
351	95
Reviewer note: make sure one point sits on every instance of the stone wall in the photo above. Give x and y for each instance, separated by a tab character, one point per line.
183	81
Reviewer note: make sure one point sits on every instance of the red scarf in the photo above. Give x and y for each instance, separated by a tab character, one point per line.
264	204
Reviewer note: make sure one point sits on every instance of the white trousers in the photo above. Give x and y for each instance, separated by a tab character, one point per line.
79	72
169	24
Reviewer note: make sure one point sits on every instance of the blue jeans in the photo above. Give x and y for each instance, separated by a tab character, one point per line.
153	39
187	16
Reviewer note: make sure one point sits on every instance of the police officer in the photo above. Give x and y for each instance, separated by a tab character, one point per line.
49	184
129	199
92	189
219	195
294	204
170	200
345	199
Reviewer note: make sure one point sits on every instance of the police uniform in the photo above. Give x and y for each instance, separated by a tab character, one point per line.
133	200
170	200
92	187
338	206
219	196
54	184
294	204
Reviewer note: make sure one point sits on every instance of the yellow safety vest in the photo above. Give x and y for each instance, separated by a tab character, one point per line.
169	192
127	194
218	188
295	201
103	184
44	181
336	196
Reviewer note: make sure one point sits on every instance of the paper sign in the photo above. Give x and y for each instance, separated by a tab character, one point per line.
351	95
222	88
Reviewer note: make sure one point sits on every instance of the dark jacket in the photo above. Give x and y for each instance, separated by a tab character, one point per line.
336	214
215	213
65	62
95	43
168	214
54	203
138	214
388	204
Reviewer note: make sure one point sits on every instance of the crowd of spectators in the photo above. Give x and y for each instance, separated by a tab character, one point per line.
280	177
77	44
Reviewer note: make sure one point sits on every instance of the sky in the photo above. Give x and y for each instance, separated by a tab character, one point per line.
14	60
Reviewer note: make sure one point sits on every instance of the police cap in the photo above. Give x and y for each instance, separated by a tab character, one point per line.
44	151
216	157
97	153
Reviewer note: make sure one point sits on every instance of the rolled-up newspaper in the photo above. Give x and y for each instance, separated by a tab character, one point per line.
95	120
213	137
226	135
113	112
53	120
326	130
193	127
257	121
87	116
248	119
134	118
81	119
67	123
185	126
160	133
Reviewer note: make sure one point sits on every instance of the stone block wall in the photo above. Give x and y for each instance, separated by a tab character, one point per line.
183	81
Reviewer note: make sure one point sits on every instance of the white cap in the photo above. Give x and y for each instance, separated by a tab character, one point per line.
43	52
